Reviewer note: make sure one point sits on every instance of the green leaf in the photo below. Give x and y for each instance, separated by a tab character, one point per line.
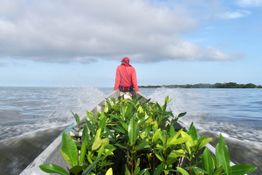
140	109
172	140
172	157
156	135
137	162
176	141
172	131
109	171
69	150
77	118
124	125
128	109
120	130
182	171
88	170
82	154
218	171
222	156
242	169
97	142
132	131
84	145
159	156
89	157
102	120
192	132
52	168
180	153
199	171
90	116
127	172
208	161
163	136
181	114
136	171
101	150
203	141
142	145
77	169
159	169
144	171
121	146
90	127
106	107
109	150
158	107
167	100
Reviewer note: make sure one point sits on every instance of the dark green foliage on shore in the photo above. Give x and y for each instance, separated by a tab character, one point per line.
201	85
140	137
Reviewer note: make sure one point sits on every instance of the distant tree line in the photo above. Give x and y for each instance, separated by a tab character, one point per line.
202	85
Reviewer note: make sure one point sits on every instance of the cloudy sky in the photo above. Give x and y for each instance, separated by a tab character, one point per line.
80	42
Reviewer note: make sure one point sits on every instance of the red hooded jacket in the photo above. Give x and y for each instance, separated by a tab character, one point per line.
126	77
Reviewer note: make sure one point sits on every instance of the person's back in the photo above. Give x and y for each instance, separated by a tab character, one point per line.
126	80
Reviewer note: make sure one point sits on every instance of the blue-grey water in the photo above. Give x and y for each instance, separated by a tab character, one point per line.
30	118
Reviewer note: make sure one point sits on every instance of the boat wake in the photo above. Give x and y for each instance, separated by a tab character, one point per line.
243	133
23	116
30	121
18	152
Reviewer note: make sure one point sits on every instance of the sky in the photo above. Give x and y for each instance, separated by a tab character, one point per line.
81	42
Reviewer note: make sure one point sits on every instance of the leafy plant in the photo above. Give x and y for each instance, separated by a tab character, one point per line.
140	137
220	162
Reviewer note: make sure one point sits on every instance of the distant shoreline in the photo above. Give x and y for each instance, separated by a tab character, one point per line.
202	85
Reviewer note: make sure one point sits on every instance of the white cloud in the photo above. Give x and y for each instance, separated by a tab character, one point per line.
234	14
83	31
250	3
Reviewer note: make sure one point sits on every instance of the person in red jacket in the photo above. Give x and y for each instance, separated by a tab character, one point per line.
126	80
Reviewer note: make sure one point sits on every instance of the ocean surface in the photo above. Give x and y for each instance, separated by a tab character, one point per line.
31	117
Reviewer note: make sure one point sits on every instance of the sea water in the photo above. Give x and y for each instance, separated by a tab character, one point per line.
31	117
